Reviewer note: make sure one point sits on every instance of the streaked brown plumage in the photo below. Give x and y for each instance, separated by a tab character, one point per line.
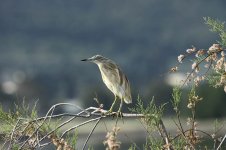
114	79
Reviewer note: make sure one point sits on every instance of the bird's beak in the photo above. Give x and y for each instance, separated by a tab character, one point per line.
87	59
84	60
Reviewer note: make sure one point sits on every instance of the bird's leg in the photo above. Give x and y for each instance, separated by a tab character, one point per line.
111	108
120	108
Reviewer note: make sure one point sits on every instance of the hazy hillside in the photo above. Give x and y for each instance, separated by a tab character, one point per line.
42	43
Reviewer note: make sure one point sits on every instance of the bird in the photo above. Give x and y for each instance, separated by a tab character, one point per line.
115	80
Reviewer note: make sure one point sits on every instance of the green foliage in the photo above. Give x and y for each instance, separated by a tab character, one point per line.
25	110
176	95
90	148
153	143
152	119
19	117
4	116
152	113
72	139
217	26
178	143
21	110
15	147
213	79
7	120
193	98
25	122
132	147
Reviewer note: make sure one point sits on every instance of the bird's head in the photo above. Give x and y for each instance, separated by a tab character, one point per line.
96	59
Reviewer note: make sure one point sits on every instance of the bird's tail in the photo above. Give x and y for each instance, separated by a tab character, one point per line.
128	100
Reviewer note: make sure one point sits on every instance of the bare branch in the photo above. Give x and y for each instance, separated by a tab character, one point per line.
36	132
91	132
221	142
12	133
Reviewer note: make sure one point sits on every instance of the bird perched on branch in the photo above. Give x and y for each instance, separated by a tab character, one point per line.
115	80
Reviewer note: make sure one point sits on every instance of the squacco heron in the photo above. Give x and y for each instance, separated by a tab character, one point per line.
115	80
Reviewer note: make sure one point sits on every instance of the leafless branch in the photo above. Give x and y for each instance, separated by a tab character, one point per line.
91	132
36	133
222	141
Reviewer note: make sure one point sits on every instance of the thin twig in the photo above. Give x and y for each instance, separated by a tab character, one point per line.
4	144
91	133
142	124
37	128
183	134
221	142
132	141
83	123
12	133
52	108
199	62
194	131
164	134
64	123
36	135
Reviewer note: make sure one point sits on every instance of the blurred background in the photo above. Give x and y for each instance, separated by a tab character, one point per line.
42	43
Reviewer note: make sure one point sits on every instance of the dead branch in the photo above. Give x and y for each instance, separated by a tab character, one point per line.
37	132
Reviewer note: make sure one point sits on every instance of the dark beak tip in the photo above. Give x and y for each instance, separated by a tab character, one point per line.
84	60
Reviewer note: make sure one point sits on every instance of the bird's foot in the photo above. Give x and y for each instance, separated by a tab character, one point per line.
109	112
114	114
119	114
